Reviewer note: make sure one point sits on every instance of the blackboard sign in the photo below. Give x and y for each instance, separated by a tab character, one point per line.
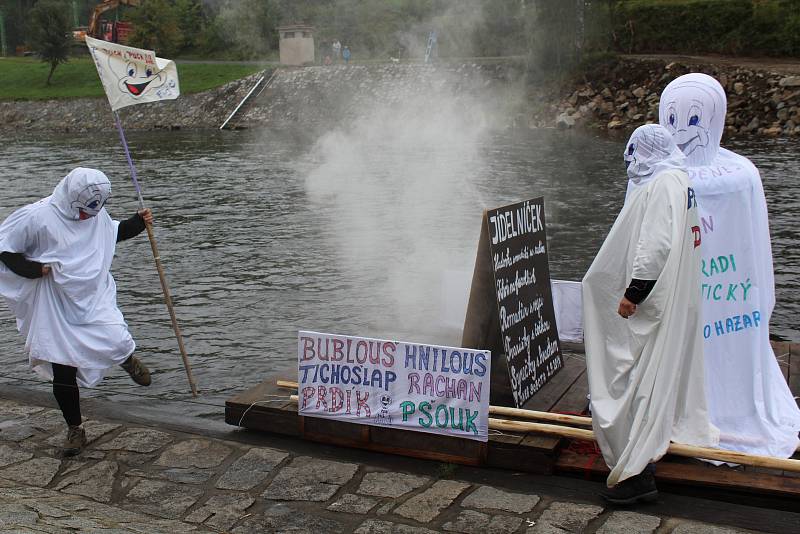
518	249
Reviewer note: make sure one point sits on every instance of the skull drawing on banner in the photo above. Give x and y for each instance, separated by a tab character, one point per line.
384	417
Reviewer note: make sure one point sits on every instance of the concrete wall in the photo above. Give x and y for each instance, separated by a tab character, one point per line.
327	95
297	50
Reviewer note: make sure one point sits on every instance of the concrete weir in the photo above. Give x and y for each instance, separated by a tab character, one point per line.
323	96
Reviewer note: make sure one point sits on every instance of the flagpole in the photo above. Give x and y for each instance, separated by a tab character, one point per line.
157	257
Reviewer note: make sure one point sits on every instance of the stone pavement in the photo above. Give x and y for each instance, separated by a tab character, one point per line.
137	478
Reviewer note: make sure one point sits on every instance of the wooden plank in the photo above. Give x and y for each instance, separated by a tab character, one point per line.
499	382
423	441
273	420
507	451
794	370
551	393
481	323
541	442
320	428
574	399
782	354
691	474
590	465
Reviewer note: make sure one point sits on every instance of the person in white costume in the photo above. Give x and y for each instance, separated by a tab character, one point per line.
54	274
642	332
748	397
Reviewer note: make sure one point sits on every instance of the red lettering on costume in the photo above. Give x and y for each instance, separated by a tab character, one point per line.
696	232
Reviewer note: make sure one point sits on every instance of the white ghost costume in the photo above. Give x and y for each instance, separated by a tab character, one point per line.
748	397
646	372
69	316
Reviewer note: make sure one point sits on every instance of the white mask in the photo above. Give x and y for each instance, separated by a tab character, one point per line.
82	193
650	150
692	109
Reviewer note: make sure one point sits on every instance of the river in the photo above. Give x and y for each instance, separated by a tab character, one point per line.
265	233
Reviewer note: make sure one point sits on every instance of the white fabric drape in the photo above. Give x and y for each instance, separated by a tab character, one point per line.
748	398
646	372
69	316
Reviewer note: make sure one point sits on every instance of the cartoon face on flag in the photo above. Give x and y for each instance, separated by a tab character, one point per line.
132	75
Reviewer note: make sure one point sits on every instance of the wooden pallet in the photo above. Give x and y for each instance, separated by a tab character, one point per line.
257	409
265	407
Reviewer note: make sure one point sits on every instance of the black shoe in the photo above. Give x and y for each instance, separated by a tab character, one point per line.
75	441
639	488
137	371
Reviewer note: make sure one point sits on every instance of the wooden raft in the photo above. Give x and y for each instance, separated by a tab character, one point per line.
266	407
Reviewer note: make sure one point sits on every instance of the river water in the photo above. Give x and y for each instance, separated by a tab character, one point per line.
265	233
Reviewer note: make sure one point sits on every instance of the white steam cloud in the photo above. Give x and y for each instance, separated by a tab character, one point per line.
400	186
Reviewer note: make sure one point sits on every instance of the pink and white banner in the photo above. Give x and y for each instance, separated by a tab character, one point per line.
414	386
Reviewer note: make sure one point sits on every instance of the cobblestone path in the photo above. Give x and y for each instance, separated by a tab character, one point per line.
140	479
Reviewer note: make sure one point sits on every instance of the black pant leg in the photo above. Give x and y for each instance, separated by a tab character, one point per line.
65	390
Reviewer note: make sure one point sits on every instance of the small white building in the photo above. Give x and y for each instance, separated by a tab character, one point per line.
296	44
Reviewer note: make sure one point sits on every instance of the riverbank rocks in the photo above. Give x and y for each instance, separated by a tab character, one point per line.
200	110
623	93
307	98
615	95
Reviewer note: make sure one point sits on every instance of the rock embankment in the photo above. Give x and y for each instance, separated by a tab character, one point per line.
328	95
201	110
624	93
618	94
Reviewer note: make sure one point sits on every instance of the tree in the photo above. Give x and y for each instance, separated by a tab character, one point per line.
156	26
49	33
191	22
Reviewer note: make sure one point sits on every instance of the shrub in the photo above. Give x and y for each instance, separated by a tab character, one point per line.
49	33
746	27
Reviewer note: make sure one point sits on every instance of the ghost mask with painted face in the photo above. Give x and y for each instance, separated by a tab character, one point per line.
82	194
692	109
650	150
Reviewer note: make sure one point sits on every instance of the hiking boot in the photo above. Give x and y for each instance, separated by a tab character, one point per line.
76	440
139	373
639	488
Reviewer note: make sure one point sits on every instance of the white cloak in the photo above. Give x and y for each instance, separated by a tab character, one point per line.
69	316
646	372
748	397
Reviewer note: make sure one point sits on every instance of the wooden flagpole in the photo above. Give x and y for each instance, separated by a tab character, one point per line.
157	257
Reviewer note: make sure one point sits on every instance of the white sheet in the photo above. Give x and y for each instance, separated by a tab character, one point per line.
69	316
646	372
748	398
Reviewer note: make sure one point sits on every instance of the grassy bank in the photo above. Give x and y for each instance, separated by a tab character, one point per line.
24	78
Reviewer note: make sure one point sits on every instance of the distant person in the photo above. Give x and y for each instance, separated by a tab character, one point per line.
642	332
327	60
56	255
346	54
337	50
748	397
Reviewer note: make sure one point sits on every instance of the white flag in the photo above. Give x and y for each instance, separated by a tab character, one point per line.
132	75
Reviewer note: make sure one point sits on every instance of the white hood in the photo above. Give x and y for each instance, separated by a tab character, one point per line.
692	109
649	151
